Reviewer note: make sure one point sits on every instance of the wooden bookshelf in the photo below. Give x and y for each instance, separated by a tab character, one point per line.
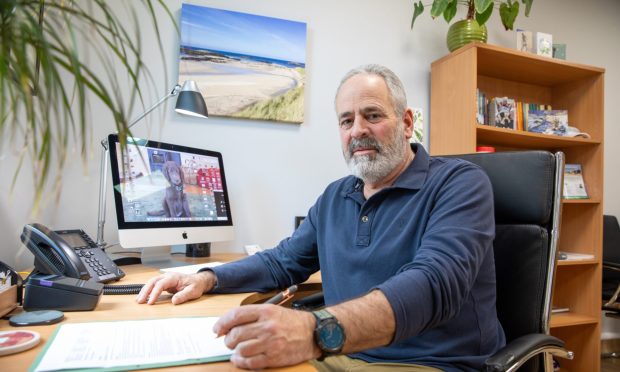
503	72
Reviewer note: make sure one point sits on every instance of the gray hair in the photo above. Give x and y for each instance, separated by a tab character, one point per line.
394	85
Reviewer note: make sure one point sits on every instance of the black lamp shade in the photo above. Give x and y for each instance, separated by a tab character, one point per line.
190	101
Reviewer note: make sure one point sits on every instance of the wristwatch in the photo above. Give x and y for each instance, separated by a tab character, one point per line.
328	333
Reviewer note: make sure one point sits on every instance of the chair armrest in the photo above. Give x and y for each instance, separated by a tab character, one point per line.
312	302
611	265
521	349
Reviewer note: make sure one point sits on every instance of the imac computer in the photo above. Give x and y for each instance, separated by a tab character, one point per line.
168	195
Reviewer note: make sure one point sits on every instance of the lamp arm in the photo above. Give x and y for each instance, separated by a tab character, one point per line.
175	91
103	171
103	182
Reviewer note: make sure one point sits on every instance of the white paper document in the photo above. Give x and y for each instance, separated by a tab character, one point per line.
189	269
133	344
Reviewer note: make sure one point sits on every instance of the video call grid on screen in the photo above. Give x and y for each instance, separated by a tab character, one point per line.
159	184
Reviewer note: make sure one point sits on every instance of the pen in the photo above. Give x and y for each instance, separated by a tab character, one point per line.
283	296
278	299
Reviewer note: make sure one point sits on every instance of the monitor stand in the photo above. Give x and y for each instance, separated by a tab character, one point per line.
157	257
160	258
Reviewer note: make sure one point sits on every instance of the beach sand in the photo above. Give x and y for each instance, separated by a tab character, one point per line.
229	87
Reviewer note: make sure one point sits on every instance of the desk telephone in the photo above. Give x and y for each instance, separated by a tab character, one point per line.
69	253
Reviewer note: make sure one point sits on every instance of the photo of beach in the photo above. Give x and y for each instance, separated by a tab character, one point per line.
245	65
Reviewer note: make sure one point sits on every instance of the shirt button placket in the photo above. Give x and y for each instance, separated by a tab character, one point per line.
363	236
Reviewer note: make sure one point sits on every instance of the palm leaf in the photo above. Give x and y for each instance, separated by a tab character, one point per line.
37	55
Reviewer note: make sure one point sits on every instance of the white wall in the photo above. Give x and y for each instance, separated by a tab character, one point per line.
275	171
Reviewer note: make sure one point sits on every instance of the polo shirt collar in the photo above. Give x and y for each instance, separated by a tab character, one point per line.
414	176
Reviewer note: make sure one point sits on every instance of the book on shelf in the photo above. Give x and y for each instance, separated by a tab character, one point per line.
502	112
481	107
525	110
519	115
574	185
559	309
548	122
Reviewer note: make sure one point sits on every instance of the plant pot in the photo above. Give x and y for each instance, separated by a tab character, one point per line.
464	32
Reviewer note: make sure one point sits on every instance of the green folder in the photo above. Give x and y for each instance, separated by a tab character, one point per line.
145	365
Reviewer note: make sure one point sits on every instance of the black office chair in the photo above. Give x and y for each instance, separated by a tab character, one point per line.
611	272
611	264
527	192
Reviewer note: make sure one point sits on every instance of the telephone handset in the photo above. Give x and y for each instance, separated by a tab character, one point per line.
69	253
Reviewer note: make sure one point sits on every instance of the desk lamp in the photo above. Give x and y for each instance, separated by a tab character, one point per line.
190	102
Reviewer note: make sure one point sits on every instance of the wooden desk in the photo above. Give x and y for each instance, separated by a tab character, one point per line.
124	307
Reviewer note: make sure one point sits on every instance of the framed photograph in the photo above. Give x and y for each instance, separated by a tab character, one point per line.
525	43
245	65
544	44
559	51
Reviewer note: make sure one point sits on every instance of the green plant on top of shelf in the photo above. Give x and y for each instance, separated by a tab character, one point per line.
478	10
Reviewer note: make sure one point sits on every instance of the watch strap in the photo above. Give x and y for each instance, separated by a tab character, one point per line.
324	316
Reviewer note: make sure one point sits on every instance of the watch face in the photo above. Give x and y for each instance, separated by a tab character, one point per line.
331	336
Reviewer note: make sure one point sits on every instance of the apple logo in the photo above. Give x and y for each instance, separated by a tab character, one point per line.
184	235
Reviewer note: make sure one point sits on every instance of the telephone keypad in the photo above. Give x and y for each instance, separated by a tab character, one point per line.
99	266
98	263
69	252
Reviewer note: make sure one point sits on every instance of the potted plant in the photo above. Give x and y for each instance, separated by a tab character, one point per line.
46	80
472	28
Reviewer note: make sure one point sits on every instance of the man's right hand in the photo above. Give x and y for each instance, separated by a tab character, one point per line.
185	287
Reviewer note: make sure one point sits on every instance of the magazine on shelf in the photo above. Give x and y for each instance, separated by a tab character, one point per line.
574	185
548	122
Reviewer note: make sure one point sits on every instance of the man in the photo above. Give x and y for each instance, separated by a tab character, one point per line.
404	246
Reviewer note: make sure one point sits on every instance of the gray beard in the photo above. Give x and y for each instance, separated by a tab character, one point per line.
373	168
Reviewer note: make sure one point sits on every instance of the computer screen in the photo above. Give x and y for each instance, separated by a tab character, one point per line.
168	194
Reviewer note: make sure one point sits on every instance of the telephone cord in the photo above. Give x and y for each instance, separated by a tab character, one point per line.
122	289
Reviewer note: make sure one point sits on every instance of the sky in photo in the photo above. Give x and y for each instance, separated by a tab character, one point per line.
243	33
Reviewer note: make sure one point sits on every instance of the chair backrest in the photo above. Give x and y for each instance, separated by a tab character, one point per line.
611	239
611	254
527	190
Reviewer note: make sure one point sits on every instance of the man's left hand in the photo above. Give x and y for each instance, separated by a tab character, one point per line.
268	336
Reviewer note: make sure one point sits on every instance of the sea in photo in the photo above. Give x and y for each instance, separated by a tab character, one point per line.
245	65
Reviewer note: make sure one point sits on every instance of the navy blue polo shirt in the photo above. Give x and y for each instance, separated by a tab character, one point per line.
425	242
